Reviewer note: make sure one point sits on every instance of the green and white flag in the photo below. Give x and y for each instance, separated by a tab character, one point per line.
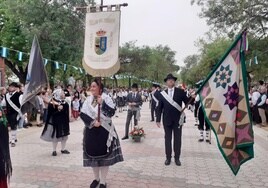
224	99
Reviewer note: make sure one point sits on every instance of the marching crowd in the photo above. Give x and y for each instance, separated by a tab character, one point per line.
96	105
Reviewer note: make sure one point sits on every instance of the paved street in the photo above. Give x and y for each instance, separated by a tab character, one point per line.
202	164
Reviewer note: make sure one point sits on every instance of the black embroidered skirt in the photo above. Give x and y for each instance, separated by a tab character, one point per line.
95	151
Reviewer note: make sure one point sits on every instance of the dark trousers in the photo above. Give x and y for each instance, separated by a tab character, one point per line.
202	121
12	120
176	140
130	113
45	115
255	114
152	112
196	107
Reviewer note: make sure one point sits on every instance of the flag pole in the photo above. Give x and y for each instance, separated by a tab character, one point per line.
100	91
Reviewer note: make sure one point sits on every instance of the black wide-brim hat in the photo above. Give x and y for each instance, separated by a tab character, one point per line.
13	84
170	77
155	85
134	86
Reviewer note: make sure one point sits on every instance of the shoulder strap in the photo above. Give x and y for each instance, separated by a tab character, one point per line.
155	99
12	104
171	101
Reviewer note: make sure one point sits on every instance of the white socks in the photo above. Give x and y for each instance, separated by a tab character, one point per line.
104	172
201	135
100	173
63	144
208	135
54	145
13	134
96	171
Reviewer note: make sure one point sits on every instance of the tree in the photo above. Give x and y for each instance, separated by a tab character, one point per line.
152	63
59	29
197	67
231	16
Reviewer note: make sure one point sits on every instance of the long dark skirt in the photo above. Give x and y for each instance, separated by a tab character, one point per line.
5	162
95	150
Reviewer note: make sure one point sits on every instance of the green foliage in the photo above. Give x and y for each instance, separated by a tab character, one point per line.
59	28
258	48
197	67
231	16
152	63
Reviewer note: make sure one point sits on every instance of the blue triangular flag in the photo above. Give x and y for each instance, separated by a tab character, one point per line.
256	60
4	52
45	62
20	56
57	66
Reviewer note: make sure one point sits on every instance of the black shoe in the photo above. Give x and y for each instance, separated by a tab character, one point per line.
177	162
167	162
201	140
102	186
16	140
25	127
13	144
152	121
125	137
39	125
94	184
65	151
54	153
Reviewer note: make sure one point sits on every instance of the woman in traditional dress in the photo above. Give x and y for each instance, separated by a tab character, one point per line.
100	144
120	100
5	162
57	126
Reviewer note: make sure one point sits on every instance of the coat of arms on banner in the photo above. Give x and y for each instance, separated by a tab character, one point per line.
100	42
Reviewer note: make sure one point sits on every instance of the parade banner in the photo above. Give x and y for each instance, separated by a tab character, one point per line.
224	99
102	43
36	78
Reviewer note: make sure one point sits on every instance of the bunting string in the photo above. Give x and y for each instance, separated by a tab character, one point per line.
4	53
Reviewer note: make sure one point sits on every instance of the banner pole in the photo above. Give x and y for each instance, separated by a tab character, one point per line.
100	91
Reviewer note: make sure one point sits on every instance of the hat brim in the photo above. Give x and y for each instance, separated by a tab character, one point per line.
170	78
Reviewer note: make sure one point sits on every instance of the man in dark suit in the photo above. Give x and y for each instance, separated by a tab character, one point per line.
134	101
12	103
170	104
154	100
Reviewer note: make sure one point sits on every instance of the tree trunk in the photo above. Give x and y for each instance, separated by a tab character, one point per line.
21	74
129	82
115	80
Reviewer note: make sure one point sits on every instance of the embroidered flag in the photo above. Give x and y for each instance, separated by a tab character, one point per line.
102	43
224	99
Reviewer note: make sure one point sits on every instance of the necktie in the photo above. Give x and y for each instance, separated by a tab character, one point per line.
170	93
